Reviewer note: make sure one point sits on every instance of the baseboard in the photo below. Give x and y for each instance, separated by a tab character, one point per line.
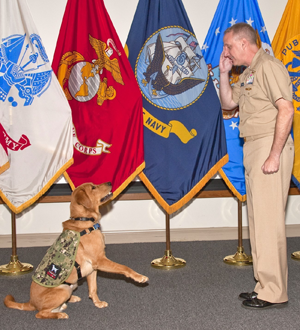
147	236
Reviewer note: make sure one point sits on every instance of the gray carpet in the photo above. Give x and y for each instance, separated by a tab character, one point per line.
202	295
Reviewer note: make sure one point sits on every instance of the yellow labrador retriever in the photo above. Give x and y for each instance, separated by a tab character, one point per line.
89	253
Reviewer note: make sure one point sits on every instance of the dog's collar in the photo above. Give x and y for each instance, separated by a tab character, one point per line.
83	219
88	230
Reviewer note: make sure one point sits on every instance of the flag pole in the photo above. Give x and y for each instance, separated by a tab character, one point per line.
15	267
240	258
168	261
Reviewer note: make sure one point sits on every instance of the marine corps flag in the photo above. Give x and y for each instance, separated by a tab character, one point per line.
228	13
286	47
106	103
184	136
35	117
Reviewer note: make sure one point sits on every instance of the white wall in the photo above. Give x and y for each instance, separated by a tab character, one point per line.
140	215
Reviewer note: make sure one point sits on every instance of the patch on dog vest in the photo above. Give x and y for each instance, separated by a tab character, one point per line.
59	260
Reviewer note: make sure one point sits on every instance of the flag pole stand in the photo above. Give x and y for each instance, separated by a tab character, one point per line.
15	267
168	261
240	258
296	255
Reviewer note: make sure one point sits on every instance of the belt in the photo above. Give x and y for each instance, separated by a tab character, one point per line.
255	137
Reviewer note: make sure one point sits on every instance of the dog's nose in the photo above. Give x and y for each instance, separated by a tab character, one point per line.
108	183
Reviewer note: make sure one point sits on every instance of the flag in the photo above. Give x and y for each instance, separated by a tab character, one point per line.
228	13
184	137
106	103
4	162
35	116
286	47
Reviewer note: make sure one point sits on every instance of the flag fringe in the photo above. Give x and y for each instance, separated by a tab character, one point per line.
240	197
4	167
121	187
176	206
23	206
66	175
128	180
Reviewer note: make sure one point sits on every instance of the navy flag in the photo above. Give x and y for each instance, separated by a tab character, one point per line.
184	137
228	13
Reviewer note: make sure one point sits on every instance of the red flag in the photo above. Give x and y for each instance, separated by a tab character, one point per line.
106	102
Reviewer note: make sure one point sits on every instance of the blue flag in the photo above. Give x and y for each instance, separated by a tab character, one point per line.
184	136
228	13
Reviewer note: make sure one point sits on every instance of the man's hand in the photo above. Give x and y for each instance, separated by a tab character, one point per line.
225	64
283	127
271	165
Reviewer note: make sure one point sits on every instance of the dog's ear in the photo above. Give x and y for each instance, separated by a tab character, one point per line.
83	199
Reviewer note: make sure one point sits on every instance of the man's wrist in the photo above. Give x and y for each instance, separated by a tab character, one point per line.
224	72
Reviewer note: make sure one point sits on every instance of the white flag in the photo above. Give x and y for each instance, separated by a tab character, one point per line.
4	163
34	113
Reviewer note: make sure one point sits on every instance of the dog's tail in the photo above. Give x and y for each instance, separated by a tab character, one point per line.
9	301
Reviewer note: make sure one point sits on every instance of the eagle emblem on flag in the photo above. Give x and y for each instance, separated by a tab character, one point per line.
172	75
18	61
169	69
292	63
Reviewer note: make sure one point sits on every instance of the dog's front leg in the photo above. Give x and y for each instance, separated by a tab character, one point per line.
109	266
92	284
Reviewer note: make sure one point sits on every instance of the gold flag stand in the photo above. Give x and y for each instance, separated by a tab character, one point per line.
296	255
15	267
168	261
240	258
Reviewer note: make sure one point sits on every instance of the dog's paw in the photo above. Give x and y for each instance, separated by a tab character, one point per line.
140	278
63	307
74	299
60	308
101	304
51	315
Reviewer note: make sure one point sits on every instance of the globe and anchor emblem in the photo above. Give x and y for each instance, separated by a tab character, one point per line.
84	86
81	80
